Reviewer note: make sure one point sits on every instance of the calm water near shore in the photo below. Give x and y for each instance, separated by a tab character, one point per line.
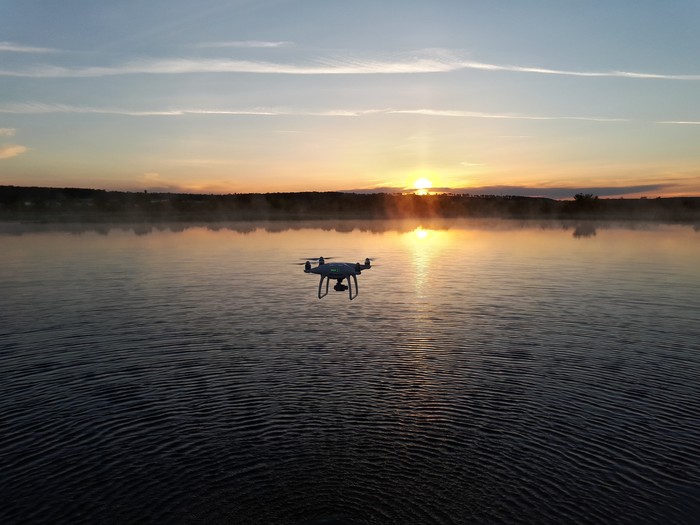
488	372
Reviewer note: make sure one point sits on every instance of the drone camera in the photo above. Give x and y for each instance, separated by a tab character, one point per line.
339	286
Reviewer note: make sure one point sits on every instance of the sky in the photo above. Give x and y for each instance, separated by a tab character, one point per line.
543	98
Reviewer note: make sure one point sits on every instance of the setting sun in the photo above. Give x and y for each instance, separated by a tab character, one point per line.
422	184
420	232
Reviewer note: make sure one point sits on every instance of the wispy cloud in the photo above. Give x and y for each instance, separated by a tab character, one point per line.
186	66
11	150
282	112
243	44
561	192
505	116
156	183
564	72
7	132
38	108
681	122
425	61
19	48
41	108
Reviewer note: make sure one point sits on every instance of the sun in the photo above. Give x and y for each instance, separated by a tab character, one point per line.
420	232
422	186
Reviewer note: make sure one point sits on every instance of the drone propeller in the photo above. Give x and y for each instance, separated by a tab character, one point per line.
369	262
314	259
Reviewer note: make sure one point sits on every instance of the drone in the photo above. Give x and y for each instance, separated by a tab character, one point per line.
339	271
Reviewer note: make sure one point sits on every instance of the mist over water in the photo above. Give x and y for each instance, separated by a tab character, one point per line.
499	372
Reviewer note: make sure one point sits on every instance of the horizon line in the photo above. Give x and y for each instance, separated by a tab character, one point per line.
552	193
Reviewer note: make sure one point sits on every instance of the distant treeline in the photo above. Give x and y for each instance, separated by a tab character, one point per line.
89	205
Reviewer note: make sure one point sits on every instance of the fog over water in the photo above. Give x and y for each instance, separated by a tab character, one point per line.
487	372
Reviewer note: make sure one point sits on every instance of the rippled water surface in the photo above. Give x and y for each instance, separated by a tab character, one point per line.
486	373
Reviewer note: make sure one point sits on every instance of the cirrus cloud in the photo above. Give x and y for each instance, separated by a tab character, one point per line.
421	61
19	48
243	44
38	108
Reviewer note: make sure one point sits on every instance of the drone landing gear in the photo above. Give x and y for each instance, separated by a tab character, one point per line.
338	287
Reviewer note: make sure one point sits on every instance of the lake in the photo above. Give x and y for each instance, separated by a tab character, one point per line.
487	372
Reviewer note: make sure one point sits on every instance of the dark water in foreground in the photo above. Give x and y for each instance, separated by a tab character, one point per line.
488	373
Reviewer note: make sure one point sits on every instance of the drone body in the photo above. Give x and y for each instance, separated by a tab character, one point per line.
339	271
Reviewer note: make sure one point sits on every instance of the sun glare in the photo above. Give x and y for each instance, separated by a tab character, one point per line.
421	233
422	184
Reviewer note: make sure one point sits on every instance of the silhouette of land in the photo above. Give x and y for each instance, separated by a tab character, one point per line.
37	204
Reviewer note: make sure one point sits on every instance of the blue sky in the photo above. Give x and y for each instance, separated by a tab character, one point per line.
540	98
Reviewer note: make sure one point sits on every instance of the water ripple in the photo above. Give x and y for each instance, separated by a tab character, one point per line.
150	392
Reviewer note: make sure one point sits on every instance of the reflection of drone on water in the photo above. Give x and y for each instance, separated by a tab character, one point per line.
338	271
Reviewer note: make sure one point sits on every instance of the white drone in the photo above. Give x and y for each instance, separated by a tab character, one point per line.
338	271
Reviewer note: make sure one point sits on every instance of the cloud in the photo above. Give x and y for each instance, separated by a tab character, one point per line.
11	150
563	192
19	48
379	189
33	108
504	116
564	72
152	181
155	183
185	66
423	61
40	108
681	122
243	44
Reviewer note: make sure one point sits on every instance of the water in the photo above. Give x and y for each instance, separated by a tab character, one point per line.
496	372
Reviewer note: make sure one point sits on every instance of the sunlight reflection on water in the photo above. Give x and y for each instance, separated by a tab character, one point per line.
487	372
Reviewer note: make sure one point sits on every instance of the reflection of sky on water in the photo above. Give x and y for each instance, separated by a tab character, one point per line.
494	356
429	249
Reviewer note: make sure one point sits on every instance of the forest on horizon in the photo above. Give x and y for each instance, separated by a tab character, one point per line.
94	205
